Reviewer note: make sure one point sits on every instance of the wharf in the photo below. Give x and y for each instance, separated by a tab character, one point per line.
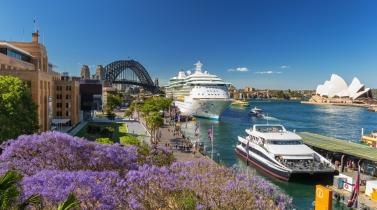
339	146
364	201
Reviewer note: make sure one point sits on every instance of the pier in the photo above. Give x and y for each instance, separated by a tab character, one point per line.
342	151
339	146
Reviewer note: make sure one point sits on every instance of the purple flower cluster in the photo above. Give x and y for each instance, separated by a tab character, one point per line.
109	177
30	154
214	187
95	190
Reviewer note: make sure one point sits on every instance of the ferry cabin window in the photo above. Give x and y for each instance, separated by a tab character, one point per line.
3	51
268	129
285	142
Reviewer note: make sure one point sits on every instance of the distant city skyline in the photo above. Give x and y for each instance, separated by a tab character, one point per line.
273	44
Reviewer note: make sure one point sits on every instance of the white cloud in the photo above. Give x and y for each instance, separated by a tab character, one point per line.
285	67
239	69
269	72
242	69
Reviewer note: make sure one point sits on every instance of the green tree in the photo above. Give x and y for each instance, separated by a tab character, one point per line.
155	104
114	100
18	112
9	193
154	122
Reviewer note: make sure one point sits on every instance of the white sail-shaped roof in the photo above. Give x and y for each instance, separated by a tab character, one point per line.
337	87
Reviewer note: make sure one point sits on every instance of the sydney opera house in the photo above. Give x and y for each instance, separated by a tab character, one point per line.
336	90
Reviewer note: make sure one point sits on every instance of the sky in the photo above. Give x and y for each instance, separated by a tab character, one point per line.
275	44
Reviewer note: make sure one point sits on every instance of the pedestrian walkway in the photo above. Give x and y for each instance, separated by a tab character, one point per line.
167	137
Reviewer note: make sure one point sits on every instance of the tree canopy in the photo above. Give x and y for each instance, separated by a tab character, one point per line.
18	112
155	104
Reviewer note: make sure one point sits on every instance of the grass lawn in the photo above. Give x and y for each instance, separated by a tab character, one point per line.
119	134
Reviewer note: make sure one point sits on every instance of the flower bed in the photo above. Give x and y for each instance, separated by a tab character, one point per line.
127	177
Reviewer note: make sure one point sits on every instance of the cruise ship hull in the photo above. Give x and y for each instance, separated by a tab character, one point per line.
201	107
263	163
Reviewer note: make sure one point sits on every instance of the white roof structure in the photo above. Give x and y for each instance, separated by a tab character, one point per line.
5	44
337	87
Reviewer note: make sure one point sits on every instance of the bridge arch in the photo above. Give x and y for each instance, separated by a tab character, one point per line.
112	71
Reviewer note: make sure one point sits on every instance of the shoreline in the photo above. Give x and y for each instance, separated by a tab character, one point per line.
336	104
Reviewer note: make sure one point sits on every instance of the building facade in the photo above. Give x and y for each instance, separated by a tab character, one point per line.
67	100
29	62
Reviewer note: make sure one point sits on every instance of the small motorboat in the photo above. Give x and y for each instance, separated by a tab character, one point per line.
370	139
256	111
239	103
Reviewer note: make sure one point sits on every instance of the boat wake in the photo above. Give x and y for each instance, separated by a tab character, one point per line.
265	117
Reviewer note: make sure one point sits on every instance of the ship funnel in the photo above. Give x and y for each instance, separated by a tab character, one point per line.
198	66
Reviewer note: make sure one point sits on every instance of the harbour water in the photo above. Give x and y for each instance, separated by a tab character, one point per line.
336	121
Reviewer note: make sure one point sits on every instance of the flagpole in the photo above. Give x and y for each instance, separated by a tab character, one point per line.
212	140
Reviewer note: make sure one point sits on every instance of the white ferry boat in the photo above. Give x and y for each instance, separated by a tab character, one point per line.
199	94
281	153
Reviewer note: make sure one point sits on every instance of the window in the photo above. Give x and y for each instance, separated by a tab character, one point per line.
68	88
66	105
67	96
67	113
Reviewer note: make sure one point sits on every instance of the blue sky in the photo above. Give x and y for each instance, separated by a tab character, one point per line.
277	44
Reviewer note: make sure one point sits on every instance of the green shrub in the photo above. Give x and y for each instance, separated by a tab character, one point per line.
123	128
104	141
129	140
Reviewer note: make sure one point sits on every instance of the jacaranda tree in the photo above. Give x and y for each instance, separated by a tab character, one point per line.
18	112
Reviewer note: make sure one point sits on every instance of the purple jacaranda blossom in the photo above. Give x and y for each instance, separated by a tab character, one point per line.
113	177
95	190
30	154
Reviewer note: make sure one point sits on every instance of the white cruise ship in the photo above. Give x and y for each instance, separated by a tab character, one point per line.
282	153
199	94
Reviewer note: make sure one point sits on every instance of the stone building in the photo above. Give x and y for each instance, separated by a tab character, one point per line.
66	101
85	72
98	72
29	62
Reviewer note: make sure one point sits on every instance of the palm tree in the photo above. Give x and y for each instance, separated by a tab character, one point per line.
70	203
9	193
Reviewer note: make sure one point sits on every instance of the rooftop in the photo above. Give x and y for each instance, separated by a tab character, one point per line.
340	146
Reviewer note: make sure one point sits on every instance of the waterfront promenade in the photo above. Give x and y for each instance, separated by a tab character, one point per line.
168	138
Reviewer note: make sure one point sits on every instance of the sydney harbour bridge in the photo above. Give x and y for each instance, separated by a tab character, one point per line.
128	72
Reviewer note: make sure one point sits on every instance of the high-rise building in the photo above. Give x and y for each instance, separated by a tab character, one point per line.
29	62
85	72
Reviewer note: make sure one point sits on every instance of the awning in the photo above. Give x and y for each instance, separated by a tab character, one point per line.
60	121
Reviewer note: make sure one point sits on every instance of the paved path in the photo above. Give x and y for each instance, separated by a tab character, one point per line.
168	137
